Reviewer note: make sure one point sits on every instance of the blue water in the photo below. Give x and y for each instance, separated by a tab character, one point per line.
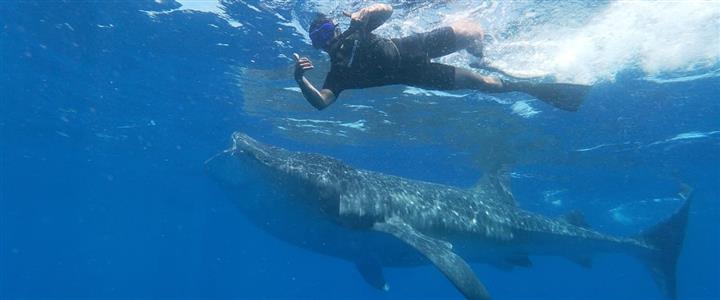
110	108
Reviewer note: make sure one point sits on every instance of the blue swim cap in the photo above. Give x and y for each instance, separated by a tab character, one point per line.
322	35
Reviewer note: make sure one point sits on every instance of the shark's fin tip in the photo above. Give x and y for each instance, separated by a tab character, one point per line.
442	256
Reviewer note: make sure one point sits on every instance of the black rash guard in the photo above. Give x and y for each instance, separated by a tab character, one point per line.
362	61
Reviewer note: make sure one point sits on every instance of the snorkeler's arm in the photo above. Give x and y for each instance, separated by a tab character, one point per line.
373	15
320	99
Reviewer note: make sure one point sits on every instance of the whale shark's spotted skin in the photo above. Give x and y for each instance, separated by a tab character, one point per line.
338	210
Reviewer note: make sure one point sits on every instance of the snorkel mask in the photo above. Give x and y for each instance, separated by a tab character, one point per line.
323	35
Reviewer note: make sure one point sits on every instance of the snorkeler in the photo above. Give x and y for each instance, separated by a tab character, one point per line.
361	59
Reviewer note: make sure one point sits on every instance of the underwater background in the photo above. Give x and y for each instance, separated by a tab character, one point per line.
108	110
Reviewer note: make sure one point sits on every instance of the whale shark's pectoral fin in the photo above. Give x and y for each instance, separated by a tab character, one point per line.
372	272
441	254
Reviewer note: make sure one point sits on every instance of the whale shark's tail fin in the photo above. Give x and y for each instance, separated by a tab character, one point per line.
666	239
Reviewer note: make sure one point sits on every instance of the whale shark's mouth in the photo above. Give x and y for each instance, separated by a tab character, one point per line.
242	162
245	144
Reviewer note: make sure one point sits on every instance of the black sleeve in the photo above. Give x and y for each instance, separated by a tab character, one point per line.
334	82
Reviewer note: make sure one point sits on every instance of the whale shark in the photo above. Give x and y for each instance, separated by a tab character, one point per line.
376	220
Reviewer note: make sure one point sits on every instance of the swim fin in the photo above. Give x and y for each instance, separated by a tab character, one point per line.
565	96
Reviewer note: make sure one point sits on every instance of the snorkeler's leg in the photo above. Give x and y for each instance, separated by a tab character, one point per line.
466	79
566	96
421	47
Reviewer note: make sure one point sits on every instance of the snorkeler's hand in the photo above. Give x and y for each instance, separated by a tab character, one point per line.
370	17
302	64
359	16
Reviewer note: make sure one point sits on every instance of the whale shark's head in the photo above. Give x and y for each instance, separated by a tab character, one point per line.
268	178
250	150
247	162
250	162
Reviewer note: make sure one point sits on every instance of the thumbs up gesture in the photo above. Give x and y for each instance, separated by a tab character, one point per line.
302	64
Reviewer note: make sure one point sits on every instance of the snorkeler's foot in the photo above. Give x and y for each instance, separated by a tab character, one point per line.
476	49
565	96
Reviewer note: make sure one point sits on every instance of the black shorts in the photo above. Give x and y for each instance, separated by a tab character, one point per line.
417	50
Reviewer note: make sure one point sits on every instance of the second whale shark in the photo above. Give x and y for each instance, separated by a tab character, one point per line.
377	220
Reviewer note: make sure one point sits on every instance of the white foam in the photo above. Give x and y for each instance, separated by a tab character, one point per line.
669	79
357	107
253	7
657	37
208	6
357	125
624	145
523	109
691	135
211	6
520	175
293	88
423	92
686	136
593	148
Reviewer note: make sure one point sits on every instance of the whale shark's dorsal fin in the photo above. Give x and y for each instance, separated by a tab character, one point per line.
497	183
440	253
576	218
